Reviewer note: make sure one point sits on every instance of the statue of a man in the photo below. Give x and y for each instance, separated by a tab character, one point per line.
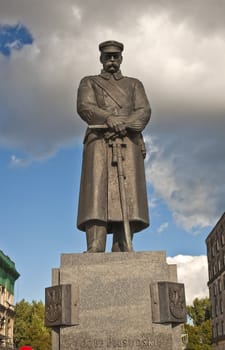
113	195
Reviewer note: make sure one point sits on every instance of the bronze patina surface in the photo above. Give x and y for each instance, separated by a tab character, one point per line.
113	195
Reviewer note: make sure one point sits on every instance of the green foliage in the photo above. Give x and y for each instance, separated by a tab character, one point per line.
29	326
200	333
200	311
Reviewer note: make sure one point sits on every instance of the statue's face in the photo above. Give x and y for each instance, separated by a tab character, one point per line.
111	61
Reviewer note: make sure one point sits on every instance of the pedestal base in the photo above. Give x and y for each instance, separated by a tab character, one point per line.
115	304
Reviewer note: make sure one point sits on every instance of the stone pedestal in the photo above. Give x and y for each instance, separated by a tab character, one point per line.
114	302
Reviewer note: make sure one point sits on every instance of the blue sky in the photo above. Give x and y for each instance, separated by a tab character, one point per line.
38	218
13	37
179	56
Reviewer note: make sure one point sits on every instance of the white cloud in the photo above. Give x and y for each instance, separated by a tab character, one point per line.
153	202
193	272
16	161
163	227
189	186
176	48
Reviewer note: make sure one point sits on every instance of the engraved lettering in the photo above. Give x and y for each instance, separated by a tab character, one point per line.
143	341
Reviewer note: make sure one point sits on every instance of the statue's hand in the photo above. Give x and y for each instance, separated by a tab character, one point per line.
117	124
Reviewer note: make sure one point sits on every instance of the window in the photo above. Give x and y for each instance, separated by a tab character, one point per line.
221	306
216	311
221	261
219	286
213	250
224	281
222	238
214	289
219	265
210	274
212	309
213	331
217	245
217	330
210	292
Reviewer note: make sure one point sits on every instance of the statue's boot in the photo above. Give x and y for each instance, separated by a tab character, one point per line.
96	237
119	242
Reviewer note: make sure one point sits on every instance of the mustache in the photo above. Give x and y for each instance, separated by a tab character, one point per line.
112	64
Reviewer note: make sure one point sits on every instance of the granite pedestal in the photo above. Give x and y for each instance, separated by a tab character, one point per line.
115	301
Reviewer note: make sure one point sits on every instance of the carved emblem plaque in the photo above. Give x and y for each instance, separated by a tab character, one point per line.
58	306
172	302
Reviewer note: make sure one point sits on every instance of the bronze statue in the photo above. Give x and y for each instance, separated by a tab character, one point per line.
113	195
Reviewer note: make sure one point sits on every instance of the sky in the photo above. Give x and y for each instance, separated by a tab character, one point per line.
177	49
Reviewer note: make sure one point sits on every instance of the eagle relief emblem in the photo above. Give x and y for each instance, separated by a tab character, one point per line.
177	301
53	309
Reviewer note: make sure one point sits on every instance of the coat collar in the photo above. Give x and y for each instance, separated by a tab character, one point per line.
118	75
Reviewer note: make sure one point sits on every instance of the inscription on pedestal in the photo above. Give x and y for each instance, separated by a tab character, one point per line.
137	342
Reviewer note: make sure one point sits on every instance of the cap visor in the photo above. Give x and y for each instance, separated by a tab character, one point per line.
111	49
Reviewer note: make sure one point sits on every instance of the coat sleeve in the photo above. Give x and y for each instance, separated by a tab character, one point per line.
87	106
141	112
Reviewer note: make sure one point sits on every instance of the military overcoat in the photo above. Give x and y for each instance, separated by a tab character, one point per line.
98	98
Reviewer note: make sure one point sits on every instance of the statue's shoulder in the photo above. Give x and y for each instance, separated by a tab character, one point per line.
88	79
133	81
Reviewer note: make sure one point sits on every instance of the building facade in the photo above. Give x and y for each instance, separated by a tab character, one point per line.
8	276
216	266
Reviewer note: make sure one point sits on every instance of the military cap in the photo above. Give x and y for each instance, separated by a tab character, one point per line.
111	46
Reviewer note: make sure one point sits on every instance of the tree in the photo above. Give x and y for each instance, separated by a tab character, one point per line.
200	311
29	326
200	333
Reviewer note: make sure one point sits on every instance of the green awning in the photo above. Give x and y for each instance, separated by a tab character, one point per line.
8	272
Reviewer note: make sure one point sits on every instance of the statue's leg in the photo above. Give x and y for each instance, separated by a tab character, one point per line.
119	242
96	233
